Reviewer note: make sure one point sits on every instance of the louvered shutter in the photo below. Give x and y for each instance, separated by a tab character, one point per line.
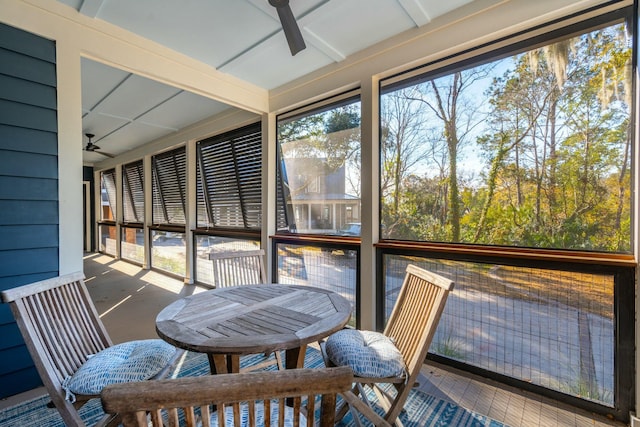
169	187
284	220
133	192
230	180
108	184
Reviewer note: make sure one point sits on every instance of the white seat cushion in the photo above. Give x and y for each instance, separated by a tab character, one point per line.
130	361
367	353
244	414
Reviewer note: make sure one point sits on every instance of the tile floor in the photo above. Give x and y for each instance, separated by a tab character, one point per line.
512	406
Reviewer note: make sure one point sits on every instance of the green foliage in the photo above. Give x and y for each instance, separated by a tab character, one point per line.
554	148
299	128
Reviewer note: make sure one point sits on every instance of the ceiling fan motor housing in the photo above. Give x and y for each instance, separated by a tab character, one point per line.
278	3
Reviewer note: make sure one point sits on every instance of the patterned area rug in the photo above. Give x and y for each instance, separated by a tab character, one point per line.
422	410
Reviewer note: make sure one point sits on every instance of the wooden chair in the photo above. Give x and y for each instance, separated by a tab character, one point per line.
61	329
235	268
293	392
238	268
411	328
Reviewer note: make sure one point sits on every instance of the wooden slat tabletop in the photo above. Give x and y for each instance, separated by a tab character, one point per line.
252	319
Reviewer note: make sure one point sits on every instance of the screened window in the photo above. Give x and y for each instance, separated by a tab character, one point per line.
132	244
107	230
230	180
319	177
133	192
132	232
546	327
108	195
206	244
527	146
169	251
531	150
169	187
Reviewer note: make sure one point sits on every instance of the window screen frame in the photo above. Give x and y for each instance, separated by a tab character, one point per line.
284	211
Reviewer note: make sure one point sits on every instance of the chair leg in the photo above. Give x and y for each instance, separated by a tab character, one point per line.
384	398
364	409
279	360
354	415
342	409
109	420
397	404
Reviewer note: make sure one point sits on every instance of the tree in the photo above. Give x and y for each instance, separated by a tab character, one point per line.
446	98
553	130
550	131
342	143
402	148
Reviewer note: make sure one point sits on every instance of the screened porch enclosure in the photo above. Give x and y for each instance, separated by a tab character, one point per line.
507	171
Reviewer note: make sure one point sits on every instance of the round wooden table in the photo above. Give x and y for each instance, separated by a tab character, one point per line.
226	323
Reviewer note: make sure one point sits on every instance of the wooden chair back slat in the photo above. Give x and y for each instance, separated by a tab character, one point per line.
59	311
302	386
416	313
412	325
238	268
156	416
35	318
205	416
62	358
61	329
63	313
59	322
80	314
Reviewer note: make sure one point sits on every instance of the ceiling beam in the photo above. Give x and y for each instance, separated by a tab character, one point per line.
322	45
91	7
415	10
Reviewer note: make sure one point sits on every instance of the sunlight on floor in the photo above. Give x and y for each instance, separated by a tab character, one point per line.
149	277
113	307
101	259
126	268
162	281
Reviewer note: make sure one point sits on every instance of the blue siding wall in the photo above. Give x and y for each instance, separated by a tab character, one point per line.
28	186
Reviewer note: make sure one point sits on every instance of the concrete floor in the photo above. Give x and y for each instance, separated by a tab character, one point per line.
129	307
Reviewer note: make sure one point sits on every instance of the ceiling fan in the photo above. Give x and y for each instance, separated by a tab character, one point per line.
93	147
289	26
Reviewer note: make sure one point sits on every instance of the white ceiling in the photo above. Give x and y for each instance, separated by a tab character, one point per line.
125	111
242	38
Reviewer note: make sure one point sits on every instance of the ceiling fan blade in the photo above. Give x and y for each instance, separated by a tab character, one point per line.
93	148
104	154
289	26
